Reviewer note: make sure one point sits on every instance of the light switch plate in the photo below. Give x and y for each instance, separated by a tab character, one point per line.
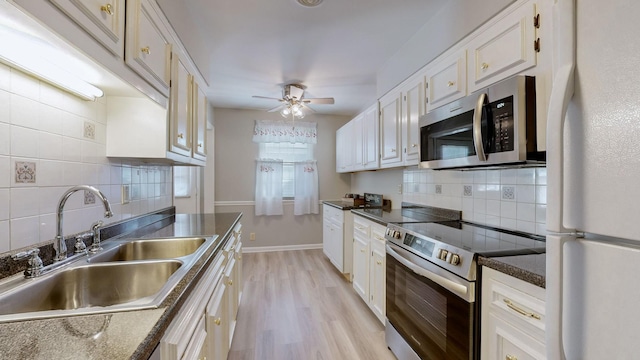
126	194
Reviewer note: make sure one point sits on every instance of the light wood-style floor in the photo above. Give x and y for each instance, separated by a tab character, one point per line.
297	306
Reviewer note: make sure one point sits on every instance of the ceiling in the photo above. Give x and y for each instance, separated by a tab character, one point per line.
253	47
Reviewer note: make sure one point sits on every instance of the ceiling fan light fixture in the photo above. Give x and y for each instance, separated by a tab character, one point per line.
309	3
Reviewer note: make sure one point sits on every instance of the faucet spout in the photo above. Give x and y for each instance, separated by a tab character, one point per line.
59	244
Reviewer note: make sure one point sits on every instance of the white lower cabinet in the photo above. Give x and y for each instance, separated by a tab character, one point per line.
369	280
204	326
513	318
337	225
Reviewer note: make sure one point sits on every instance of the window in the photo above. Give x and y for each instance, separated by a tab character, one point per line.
289	153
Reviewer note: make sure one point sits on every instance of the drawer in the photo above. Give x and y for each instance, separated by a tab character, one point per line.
377	233
333	214
509	343
447	80
361	226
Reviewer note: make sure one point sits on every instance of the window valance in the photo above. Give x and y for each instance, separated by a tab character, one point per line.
281	131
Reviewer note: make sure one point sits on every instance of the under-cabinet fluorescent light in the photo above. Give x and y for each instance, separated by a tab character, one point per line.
37	58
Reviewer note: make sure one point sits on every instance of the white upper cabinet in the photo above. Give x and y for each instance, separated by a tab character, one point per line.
344	148
447	79
390	130
148	47
370	126
180	108
413	106
102	19
505	49
358	142
199	123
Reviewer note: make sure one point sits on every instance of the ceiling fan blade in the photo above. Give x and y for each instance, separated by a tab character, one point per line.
276	108
307	107
266	97
319	101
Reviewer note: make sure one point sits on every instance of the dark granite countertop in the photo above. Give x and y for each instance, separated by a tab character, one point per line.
342	205
122	335
529	268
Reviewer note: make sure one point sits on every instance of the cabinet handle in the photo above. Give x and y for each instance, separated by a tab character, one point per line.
515	308
240	257
217	321
199	145
450	84
379	262
393	150
230	283
379	238
146	50
414	145
511	357
484	66
107	9
181	136
361	250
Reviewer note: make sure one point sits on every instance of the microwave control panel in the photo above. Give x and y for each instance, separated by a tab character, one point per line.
502	114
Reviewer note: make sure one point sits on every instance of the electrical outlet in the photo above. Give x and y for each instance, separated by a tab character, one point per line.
399	188
126	194
252	236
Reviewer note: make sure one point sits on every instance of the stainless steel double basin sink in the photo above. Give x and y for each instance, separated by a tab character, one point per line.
126	275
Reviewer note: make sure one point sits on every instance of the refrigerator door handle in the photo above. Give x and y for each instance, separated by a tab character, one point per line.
477	127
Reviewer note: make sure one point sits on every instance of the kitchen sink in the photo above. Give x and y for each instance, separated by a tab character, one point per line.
92	285
146	249
129	274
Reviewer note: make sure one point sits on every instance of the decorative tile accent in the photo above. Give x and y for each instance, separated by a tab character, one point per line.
508	192
468	190
438	189
89	198
89	130
25	172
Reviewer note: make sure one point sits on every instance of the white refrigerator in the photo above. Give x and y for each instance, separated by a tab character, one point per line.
593	192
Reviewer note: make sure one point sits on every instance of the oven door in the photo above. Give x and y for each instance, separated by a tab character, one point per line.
432	309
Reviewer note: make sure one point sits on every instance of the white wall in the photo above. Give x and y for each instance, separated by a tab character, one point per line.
511	198
235	155
452	23
50	131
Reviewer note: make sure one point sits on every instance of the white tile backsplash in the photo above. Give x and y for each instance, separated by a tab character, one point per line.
44	126
509	198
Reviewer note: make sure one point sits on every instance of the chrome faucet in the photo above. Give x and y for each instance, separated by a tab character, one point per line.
59	245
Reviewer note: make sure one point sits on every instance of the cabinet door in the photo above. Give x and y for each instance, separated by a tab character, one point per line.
413	106
232	299
180	114
239	275
507	342
447	80
217	327
199	123
197	348
344	148
390	130
370	126
358	142
505	49
326	236
148	48
361	267
378	279
103	19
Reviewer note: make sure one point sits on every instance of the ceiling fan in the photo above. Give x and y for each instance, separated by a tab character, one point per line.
293	101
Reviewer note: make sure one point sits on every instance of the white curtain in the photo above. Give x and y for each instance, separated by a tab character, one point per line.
306	188
268	187
281	131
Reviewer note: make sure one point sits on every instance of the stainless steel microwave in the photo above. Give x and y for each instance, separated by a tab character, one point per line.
495	126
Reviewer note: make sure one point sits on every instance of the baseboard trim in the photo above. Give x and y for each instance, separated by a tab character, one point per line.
259	249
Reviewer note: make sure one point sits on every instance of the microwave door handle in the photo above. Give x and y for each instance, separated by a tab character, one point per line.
477	128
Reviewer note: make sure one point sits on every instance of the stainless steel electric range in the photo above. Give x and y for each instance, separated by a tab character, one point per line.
431	303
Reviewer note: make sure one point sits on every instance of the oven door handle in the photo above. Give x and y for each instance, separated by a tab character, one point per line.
459	289
477	127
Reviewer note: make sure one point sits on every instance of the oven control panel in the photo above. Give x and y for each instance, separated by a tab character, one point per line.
445	255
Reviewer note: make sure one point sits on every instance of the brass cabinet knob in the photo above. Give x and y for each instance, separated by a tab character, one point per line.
450	84
107	9
414	145
484	66
511	357
217	321
181	136
230	283
146	50
379	262
362	250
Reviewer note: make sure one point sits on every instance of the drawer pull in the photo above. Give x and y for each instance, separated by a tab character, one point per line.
513	307
146	50
181	136
484	66
379	238
511	357
107	9
361	250
230	282
450	84
217	321
199	145
379	262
